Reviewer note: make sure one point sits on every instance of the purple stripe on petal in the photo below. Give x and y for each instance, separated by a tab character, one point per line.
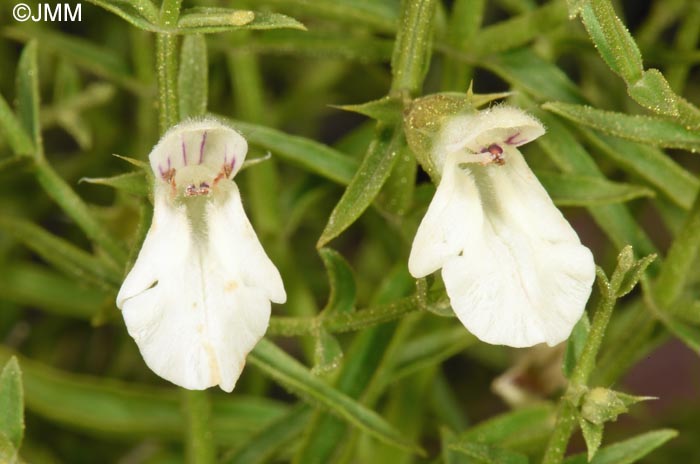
512	140
184	152
201	147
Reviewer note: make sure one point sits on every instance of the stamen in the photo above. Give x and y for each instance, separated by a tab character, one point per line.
496	152
191	190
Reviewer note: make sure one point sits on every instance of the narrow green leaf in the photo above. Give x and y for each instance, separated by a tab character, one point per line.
136	182
651	164
504	427
386	109
193	76
431	349
519	30
140	13
99	60
627	451
100	406
66	110
450	456
327	433
36	286
203	20
13	131
644	129
633	275
143	165
314	44
262	446
366	183
688	334
382	16
574	345
76	209
60	253
28	95
12	403
342	282
294	376
577	190
486	454
652	91
538	77
571	157
612	39
327	353
396	197
593	435
311	155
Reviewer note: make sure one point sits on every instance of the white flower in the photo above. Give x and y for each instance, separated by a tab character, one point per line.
514	269
198	297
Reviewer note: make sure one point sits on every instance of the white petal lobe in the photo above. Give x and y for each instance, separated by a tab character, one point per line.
454	214
198	297
524	278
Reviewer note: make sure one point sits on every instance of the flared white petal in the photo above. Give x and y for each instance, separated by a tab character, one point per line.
454	214
198	297
524	278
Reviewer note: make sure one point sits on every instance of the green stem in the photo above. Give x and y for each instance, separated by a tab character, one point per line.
412	47
199	439
564	427
566	413
344	322
586	363
166	62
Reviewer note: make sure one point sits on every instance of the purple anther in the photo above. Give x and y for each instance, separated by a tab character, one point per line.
496	151
201	147
184	152
204	185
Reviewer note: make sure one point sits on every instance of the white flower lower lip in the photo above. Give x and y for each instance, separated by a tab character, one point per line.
514	269
198	297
